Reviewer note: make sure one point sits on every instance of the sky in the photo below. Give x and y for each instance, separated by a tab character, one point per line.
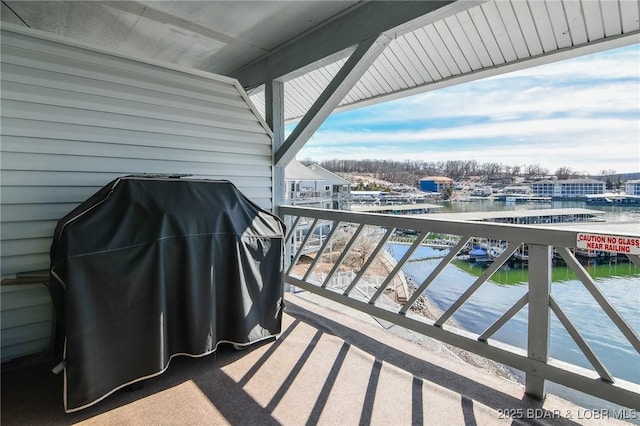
582	113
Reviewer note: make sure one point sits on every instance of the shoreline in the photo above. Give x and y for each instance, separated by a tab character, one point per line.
428	309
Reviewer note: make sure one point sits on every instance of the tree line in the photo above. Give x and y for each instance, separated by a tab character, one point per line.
409	172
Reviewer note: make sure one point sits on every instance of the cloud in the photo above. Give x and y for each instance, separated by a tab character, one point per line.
551	130
580	144
583	113
608	98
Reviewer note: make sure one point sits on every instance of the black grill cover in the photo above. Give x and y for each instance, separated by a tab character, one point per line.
149	268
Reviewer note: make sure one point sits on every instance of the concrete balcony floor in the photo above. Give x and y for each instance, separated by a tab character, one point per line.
327	367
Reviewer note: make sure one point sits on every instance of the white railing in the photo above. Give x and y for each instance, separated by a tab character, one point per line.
309	195
366	286
541	242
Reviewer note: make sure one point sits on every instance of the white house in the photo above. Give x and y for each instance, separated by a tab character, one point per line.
340	187
305	187
317	187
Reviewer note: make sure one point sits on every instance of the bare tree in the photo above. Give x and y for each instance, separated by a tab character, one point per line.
364	246
408	172
515	171
564	172
611	180
360	250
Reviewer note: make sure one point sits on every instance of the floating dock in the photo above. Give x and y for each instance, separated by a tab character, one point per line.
527	217
516	198
398	209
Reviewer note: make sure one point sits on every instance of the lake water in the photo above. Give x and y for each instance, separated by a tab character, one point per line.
611	214
619	282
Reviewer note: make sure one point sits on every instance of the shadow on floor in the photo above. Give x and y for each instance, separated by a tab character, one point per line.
261	385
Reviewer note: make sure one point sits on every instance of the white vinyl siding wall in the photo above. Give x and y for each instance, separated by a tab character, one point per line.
74	118
27	314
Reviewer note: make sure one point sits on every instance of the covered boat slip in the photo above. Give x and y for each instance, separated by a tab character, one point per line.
528	217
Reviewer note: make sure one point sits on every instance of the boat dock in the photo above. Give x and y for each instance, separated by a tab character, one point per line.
516	198
398	209
527	217
619	200
584	220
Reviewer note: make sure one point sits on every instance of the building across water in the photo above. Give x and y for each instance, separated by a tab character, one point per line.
435	183
632	187
569	189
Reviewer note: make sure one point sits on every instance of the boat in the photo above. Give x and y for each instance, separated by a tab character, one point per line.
521	255
478	252
620	200
483	261
478	256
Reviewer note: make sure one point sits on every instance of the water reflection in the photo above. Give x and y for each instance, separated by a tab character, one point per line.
516	274
619	282
612	213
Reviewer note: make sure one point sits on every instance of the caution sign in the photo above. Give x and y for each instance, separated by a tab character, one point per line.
612	243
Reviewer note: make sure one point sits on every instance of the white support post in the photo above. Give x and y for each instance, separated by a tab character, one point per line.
274	116
539	315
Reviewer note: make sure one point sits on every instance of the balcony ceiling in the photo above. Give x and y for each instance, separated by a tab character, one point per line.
431	44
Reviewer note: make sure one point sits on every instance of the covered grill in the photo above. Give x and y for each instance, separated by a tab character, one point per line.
149	268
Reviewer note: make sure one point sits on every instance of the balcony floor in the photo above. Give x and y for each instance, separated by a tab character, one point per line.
327	367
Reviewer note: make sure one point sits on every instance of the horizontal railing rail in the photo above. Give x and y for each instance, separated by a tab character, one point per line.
365	235
310	194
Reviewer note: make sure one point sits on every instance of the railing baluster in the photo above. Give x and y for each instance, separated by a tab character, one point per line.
635	259
521	303
476	285
292	229
539	316
336	224
621	392
582	344
372	257
419	239
343	255
443	264
602	300
295	259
